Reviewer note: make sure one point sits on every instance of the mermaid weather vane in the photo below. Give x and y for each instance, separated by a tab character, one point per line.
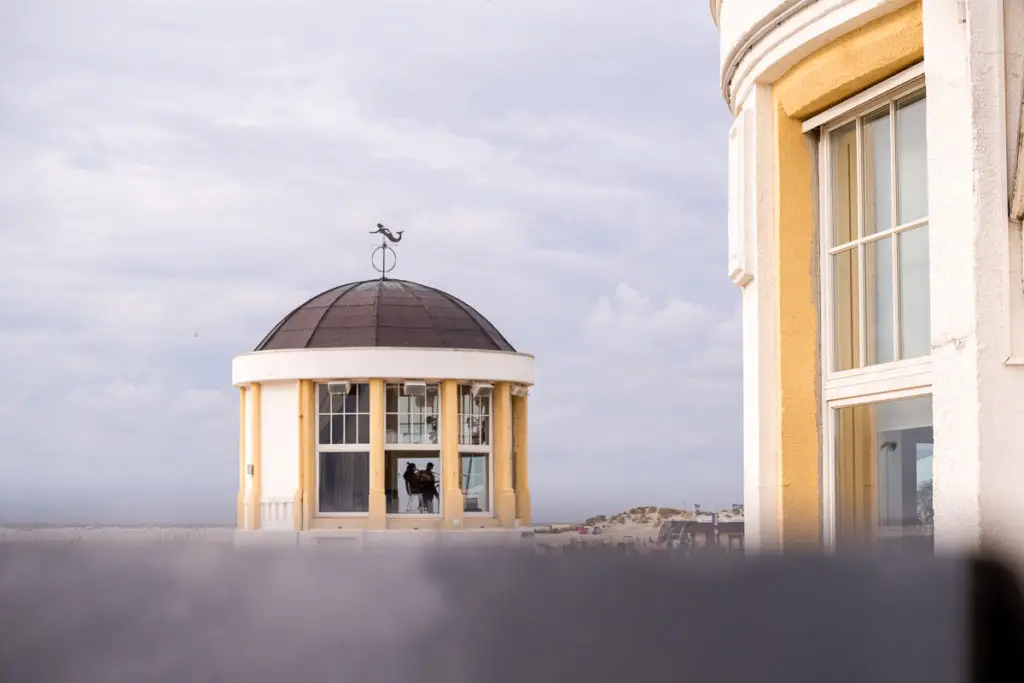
384	249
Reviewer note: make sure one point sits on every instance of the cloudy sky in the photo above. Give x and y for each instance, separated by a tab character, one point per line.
206	165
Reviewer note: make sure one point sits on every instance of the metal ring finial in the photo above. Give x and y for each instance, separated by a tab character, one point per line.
385	237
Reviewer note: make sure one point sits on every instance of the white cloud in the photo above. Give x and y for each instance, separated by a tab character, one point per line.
630	320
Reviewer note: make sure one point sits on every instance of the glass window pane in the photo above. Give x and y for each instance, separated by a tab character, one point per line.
363	425
844	184
351	399
325	429
431	429
912	158
338	403
883	474
474	478
391	398
344	482
483	434
324	402
412	481
337	429
880	301
483	405
351	430
915	293
846	310
391	429
877	173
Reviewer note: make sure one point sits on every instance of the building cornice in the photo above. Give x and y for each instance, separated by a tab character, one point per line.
716	10
752	37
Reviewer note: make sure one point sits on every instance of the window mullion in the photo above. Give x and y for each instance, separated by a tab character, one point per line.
861	280
897	337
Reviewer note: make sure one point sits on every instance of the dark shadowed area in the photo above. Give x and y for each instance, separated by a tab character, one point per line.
109	614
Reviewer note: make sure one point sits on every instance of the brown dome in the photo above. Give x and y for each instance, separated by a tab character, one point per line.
385	313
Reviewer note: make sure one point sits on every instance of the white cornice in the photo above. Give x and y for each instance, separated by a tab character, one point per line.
754	34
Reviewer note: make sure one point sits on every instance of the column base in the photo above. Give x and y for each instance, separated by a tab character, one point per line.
505	508
298	512
252	513
377	512
454	507
523	511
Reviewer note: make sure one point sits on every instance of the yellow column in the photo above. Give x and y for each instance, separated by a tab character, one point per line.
255	434
305	417
240	517
308	440
504	496
521	455
451	491
378	502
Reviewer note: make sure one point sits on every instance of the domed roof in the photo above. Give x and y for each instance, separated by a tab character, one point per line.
385	313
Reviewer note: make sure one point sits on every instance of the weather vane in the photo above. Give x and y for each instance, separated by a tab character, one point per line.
384	249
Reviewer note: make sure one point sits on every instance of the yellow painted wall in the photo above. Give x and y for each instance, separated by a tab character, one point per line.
842	68
522	453
307	415
378	499
256	447
307	439
504	503
451	490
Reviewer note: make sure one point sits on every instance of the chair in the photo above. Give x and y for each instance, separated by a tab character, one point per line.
415	503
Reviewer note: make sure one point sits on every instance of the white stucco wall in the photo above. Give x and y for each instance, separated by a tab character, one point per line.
978	423
751	264
280	432
250	429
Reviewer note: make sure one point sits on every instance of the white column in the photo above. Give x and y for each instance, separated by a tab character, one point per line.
976	303
751	266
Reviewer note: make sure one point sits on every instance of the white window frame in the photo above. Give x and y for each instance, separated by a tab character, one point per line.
420	447
338	448
469	449
871	384
398	445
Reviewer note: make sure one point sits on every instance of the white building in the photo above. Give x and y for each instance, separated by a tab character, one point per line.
875	198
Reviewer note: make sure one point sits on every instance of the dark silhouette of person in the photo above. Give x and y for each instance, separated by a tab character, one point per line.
428	488
413	485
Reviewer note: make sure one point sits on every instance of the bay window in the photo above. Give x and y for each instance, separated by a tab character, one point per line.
876	343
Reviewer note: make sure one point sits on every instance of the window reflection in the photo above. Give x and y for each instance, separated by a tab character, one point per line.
877	173
884	473
915	293
912	158
475	480
878	239
880	301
